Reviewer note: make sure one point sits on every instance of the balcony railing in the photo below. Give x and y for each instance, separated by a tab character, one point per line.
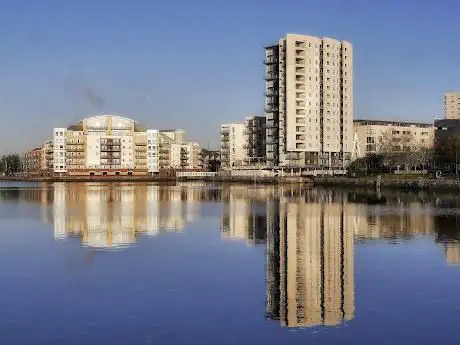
271	60
110	148
271	76
271	92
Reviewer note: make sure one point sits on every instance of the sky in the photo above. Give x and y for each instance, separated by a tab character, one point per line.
194	64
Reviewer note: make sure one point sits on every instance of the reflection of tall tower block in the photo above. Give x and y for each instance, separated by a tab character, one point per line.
333	231
314	248
350	213
311	214
453	253
272	265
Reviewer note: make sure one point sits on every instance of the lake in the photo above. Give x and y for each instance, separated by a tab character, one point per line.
199	263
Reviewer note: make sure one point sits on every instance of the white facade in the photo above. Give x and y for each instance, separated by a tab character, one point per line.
309	101
185	155
153	144
59	150
232	145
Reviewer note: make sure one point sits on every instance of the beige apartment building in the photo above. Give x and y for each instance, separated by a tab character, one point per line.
232	145
309	102
376	136
452	105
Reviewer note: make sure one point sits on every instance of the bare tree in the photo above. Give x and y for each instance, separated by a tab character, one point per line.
396	150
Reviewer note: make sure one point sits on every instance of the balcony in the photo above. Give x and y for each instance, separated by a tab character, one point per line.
110	148
271	76
110	142
271	108
299	79
271	92
269	60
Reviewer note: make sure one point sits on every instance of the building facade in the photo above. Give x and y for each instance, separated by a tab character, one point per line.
185	156
176	153
255	139
105	145
111	145
309	102
452	105
377	136
33	161
232	145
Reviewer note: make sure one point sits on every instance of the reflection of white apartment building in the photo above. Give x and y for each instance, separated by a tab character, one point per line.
453	253
244	216
105	216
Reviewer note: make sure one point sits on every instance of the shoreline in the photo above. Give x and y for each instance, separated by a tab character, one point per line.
301	181
402	184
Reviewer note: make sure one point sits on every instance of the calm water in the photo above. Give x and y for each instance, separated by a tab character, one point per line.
194	264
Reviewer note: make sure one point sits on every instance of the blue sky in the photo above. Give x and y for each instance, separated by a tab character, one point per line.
196	64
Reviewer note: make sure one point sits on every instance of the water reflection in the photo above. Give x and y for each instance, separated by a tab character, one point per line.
308	235
310	262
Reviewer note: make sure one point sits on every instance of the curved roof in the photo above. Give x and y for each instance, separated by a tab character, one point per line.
102	122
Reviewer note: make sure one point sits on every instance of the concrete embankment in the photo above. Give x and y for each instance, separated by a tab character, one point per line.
410	184
167	179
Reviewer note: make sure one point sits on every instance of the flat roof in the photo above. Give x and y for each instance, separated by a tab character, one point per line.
392	123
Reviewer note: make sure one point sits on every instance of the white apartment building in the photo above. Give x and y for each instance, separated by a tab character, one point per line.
309	102
232	145
452	105
153	150
105	145
185	155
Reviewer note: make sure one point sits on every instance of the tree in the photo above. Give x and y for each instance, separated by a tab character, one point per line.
11	164
396	150
370	165
422	158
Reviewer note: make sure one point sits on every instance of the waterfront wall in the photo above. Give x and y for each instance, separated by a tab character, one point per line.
390	183
167	179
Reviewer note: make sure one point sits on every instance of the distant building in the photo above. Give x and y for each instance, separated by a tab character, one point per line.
255	139
375	136
446	128
452	105
33	161
309	102
232	145
447	143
